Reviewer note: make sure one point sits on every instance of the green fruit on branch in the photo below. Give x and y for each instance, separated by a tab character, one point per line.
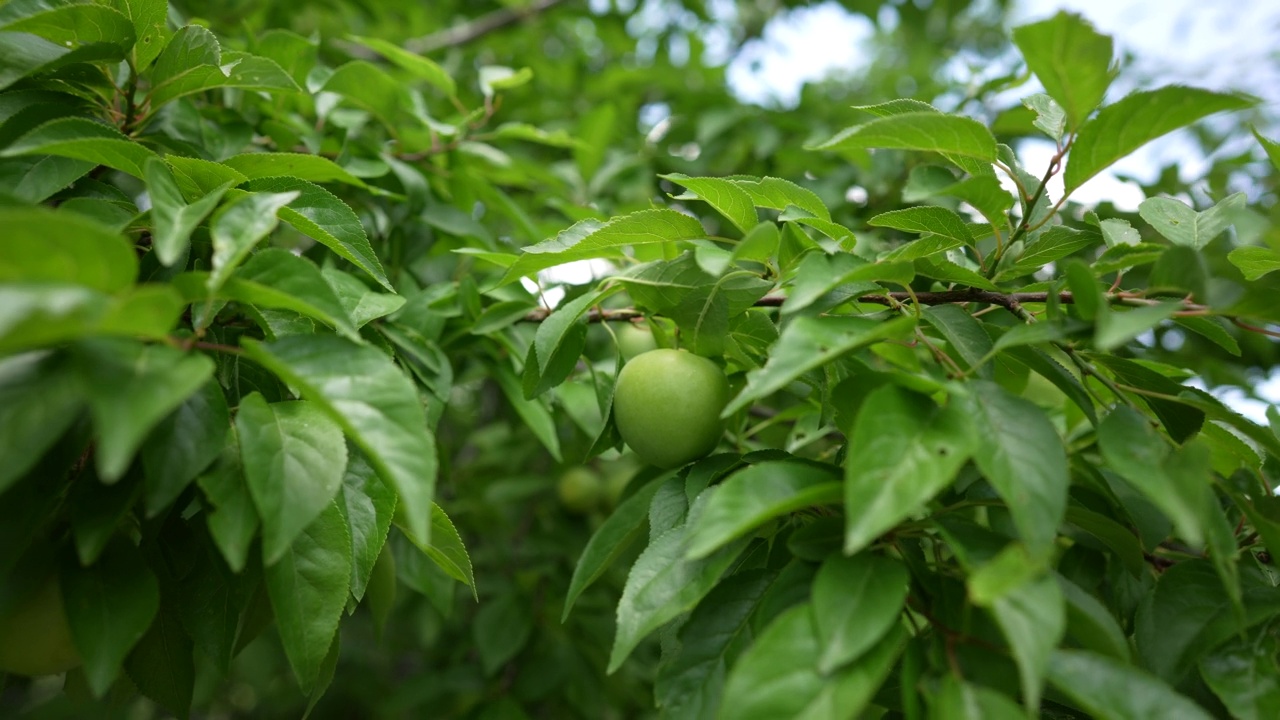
580	490
667	406
35	638
635	340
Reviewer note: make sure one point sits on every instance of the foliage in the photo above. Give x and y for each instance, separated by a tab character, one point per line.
274	340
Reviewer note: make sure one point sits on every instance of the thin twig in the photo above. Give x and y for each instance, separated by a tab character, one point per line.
477	28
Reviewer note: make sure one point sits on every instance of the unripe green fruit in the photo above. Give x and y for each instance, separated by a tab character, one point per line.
635	340
580	490
667	405
35	638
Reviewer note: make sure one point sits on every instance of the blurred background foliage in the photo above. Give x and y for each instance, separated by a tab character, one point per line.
641	86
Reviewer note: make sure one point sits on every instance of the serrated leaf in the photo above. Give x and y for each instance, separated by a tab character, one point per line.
1254	262
294	458
367	504
45	246
610	541
856	600
757	494
232	521
420	66
84	139
725	196
131	387
1054	244
1019	452
1091	624
903	451
173	218
357	301
308	588
1139	118
239	226
809	342
312	168
663	583
109	607
1051	119
1243	674
183	445
40	396
1111	690
1182	225
776	677
927	131
962	331
376	405
1072	60
594	239
193	61
1032	617
926	219
320	215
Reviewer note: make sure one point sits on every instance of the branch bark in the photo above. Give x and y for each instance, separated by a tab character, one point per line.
1010	301
477	28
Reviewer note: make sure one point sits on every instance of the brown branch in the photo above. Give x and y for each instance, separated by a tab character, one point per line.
1013	302
477	28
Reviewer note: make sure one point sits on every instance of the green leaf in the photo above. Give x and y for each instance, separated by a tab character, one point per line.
1050	117
320	215
150	25
173	218
1019	452
447	550
664	582
692	684
183	445
109	607
819	276
420	66
376	406
238	227
496	77
616	533
1119	233
962	332
926	219
38	315
595	239
1115	328
308	588
1054	244
928	131
725	196
776	679
756	494
1180	419
233	522
312	168
131	388
1111	690
1145	459
96	510
902	452
71	24
1182	225
1255	262
294	458
47	246
1243	674
35	179
856	601
535	413
777	194
1032	617
277	278
501	629
1139	118
1188	614
24	54
1071	59
1118	538
367	504
197	178
373	89
193	62
961	701
357	300
162	664
84	139
808	343
40	396
1091	624
552	331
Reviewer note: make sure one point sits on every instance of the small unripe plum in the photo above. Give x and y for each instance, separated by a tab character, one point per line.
635	340
580	490
35	638
667	406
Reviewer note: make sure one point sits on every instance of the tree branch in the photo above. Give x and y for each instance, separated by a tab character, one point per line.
477	28
1010	301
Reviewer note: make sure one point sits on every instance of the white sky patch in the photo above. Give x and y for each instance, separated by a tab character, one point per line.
578	272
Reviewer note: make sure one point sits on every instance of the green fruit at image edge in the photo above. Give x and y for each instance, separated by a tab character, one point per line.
580	490
667	406
35	638
635	340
